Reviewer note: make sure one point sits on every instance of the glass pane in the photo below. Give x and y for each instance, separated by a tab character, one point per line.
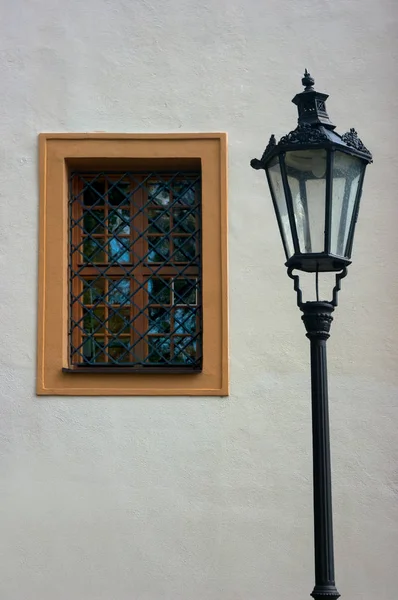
92	221
119	221
94	290
185	291
94	193
275	178
347	171
118	321
118	250
184	350
159	249
158	349
306	171
119	291
93	350
159	291
94	320
159	320
184	249
159	193
93	250
158	221
184	320
118	350
184	221
117	193
184	192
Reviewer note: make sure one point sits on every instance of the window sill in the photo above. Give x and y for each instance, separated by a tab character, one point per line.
136	370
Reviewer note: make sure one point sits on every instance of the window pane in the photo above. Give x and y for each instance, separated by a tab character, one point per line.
159	193
275	178
119	221
184	221
93	320
118	350
94	290
184	321
184	249
159	249
93	221
119	321
119	291
347	171
93	350
159	320
93	194
185	291
158	349
158	221
118	250
184	349
184	192
117	194
159	291
93	250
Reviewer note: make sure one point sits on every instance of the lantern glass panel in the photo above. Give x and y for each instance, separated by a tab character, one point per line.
278	193
306	174
347	171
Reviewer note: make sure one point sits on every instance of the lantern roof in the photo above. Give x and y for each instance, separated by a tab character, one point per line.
314	129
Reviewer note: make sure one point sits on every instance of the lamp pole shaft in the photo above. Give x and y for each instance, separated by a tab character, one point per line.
317	319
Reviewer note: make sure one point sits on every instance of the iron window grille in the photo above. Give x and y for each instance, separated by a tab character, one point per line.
135	271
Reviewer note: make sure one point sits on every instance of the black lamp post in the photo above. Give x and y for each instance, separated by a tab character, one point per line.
315	178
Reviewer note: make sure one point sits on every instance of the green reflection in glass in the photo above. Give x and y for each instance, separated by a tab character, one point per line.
184	350
93	250
93	350
158	221
92	221
159	249
159	291
158	349
184	291
184	249
94	321
118	350
118	321
94	290
184	221
184	192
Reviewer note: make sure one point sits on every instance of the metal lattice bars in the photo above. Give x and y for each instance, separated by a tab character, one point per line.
135	270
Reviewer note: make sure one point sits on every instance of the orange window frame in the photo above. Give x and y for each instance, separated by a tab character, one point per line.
59	153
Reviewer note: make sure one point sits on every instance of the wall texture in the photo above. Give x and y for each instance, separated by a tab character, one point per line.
200	498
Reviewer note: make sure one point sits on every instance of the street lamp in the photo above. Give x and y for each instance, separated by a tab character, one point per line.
315	178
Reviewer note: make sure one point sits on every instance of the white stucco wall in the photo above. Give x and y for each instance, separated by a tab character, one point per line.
202	498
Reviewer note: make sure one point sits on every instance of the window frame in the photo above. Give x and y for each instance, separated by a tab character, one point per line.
59	153
143	270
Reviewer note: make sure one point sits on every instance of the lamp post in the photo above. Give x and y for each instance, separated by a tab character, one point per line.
315	178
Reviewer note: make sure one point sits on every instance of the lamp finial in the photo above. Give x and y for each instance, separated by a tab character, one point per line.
308	81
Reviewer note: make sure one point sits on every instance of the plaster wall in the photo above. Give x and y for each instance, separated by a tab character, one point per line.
202	498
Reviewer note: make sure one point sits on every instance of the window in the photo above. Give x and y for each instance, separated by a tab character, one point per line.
133	265
135	271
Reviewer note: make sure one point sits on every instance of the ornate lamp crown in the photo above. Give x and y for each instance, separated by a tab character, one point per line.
314	129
